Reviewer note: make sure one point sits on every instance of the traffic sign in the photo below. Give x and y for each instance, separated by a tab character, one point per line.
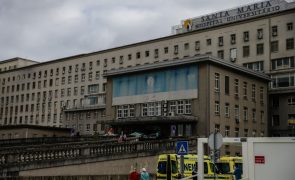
182	147
215	141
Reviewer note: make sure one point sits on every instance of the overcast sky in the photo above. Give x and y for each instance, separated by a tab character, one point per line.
44	30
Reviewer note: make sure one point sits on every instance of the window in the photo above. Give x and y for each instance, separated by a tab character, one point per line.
151	109
246	36
275	120
82	77
138	55
147	53
274	46
63	80
179	107
274	31
254	115
217	82
220	54
70	69
237	113
217	108
282	63
290	43
75	91
220	41
69	92
259	49
227	110
246	51
90	76
176	49
97	75
94	88
186	46
129	56
259	33
82	91
253	93
245	132
289	26
245	114
233	38
208	42
113	60
69	79
291	100
256	66
226	85
166	50
245	86
105	63
125	111
236	88
156	53
197	45
217	128
90	65
227	131
283	80
236	132
121	60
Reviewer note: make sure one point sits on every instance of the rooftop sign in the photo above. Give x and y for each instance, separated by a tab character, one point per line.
233	15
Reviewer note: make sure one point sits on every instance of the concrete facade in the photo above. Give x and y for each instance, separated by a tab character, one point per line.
217	104
70	92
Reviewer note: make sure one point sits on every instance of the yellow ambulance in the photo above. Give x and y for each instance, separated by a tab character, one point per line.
226	164
169	167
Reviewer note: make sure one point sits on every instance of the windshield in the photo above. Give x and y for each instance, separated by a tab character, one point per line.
162	167
223	167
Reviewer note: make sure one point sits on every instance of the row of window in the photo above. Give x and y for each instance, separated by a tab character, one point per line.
282	63
285	80
50	82
56	105
245	114
236	88
170	108
8	68
39	119
237	132
92	89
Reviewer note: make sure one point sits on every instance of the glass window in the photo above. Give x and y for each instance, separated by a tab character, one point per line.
260	49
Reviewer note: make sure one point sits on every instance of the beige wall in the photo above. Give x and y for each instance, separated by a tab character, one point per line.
122	166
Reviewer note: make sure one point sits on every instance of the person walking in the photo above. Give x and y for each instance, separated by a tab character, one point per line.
144	175
237	172
134	175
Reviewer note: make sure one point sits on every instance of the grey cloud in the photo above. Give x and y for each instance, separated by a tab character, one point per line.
45	29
